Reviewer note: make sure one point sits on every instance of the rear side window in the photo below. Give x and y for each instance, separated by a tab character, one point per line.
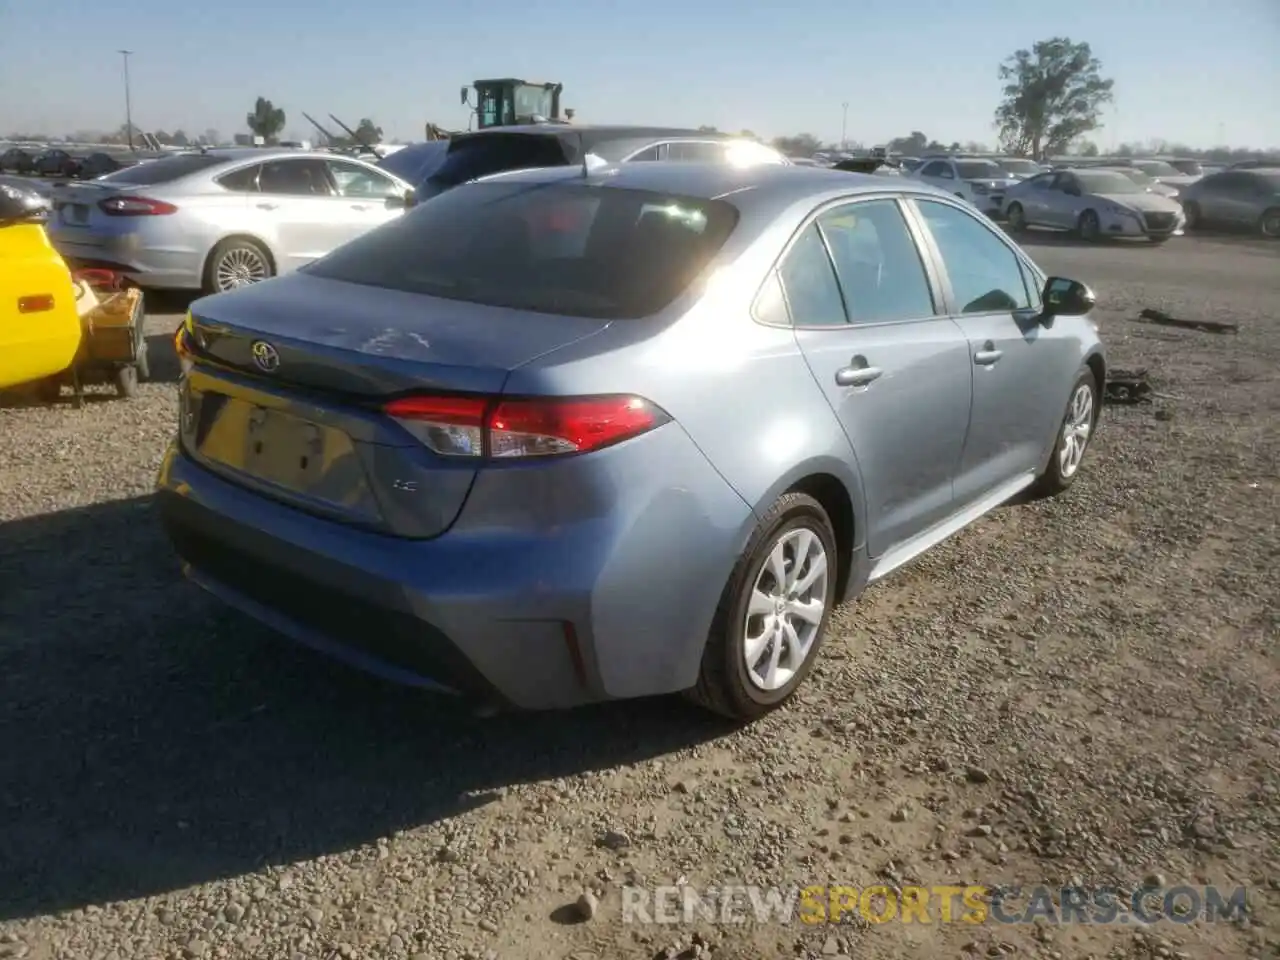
694	152
492	153
567	248
809	281
164	170
241	181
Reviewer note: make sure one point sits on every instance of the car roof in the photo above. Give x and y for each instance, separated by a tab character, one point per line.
233	154
598	131
765	188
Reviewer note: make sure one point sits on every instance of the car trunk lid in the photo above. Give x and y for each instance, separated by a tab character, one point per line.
289	377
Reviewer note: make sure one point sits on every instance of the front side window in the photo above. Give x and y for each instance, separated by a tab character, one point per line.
354	180
568	247
985	274
877	262
809	282
294	178
939	168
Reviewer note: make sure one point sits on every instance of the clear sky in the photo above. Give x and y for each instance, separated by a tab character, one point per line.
1195	71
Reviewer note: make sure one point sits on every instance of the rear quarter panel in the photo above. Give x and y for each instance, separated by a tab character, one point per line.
741	390
34	345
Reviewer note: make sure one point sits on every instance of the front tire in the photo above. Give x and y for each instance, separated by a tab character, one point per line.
1075	432
1017	219
1192	212
773	613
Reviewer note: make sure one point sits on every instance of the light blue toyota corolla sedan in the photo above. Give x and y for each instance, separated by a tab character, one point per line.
567	436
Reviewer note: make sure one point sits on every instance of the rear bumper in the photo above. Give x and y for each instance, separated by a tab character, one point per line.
606	608
131	254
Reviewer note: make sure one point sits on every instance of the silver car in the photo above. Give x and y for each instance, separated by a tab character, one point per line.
1236	198
1094	203
557	437
980	181
220	219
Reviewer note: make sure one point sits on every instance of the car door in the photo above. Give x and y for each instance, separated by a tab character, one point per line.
893	368
1021	370
1237	199
365	198
938	173
1034	195
296	193
1062	206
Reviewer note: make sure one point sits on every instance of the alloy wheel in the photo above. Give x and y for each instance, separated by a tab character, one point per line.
1271	224
1076	430
785	610
240	267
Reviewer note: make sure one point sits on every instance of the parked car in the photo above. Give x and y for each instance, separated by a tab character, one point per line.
1236	198
1019	168
468	449
17	160
486	152
1185	165
1254	164
219	219
979	181
30	191
97	165
56	163
1164	172
416	161
1144	181
1095	203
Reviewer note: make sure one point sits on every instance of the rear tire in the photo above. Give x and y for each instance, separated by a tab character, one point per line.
743	673
1076	428
236	263
1192	212
1017	219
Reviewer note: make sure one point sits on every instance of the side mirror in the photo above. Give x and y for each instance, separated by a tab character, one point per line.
1071	191
465	91
1066	297
404	202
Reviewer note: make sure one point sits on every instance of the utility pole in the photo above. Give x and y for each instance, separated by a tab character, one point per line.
128	106
844	126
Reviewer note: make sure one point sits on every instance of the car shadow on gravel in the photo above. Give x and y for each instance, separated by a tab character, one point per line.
153	740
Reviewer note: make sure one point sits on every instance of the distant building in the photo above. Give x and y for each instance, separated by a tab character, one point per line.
243	140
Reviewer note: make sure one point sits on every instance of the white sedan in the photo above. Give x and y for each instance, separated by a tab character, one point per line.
1094	204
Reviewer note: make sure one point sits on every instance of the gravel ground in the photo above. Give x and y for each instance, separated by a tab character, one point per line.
1083	689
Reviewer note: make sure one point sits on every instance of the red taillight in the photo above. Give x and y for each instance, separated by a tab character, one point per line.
39	303
135	207
468	426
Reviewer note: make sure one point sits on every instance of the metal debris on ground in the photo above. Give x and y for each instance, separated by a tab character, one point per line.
1128	386
1151	315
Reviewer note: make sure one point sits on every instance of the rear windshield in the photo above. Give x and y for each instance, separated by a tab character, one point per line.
496	153
415	161
164	170
978	170
569	248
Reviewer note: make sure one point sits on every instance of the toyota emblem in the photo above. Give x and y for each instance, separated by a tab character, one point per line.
265	356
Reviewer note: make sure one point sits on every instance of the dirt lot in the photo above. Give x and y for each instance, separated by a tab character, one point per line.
1081	690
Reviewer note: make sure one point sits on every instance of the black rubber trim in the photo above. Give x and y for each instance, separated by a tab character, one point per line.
365	613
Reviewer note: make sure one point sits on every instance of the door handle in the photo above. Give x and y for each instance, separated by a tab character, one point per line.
359	206
987	355
268	206
858	374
